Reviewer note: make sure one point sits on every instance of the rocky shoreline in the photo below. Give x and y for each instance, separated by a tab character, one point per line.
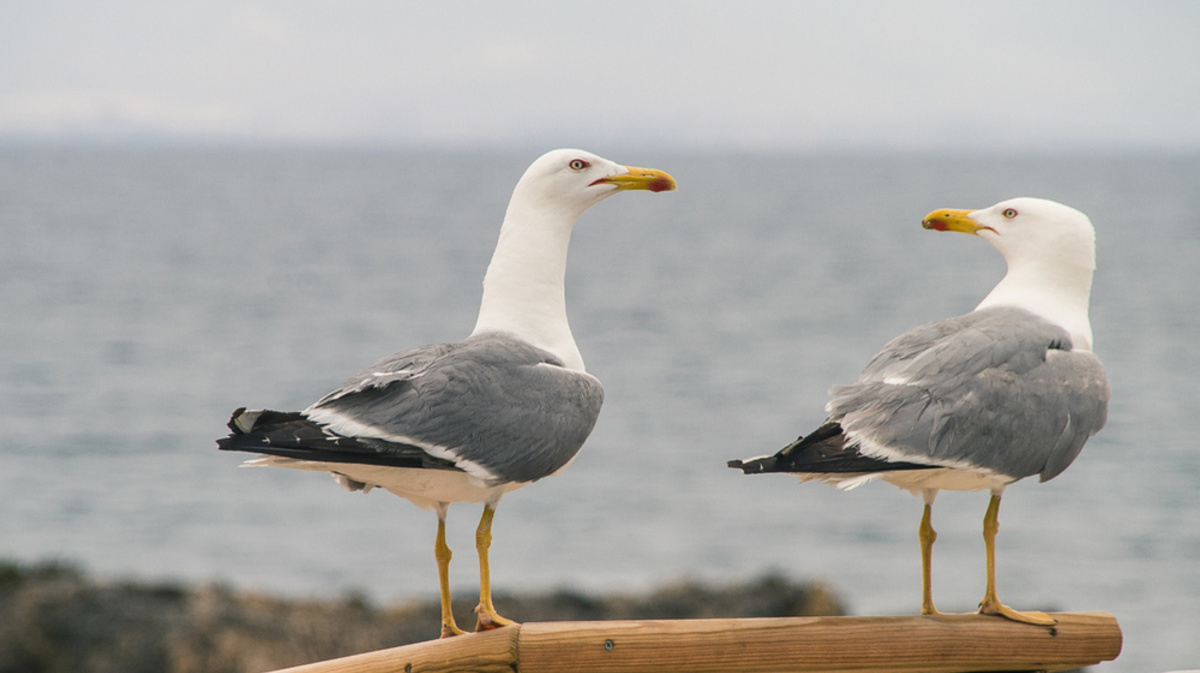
55	619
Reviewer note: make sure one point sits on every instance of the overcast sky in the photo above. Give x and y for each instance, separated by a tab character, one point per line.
745	74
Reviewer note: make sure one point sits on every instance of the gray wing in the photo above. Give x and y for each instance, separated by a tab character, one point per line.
393	369
999	389
491	400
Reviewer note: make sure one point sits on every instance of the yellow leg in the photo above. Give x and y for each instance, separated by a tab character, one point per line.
927	535
441	551
486	612
991	605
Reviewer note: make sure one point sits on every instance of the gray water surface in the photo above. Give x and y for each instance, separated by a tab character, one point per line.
146	294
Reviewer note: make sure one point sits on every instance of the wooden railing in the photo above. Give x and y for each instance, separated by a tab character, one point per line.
930	644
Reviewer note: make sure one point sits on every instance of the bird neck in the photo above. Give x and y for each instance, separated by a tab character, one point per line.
1057	292
523	290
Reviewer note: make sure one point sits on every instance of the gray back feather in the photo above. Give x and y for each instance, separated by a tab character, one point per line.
999	389
491	399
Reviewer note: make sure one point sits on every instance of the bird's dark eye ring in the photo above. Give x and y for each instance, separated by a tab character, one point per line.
1009	213
578	164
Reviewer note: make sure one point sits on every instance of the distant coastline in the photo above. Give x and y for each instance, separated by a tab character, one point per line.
55	617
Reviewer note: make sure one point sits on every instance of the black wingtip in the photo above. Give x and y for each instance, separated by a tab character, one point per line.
250	428
233	421
753	465
822	451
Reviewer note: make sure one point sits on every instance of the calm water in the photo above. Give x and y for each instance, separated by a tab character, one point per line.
145	295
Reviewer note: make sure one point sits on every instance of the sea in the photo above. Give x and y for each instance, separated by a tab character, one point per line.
145	293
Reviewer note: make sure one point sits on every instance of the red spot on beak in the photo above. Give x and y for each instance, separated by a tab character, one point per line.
936	225
659	185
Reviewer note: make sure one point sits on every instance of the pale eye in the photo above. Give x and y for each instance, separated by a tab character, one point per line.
578	164
1009	213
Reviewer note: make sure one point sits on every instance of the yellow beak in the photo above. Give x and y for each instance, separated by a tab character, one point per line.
641	178
953	219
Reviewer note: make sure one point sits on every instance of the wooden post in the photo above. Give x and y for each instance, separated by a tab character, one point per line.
488	652
943	643
933	644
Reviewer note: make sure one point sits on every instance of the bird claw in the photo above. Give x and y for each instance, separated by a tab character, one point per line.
486	621
1001	610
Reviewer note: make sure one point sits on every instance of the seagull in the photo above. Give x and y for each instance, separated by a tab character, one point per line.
1007	391
472	420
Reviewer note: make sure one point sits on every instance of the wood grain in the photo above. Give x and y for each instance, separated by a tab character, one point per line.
933	644
488	652
943	643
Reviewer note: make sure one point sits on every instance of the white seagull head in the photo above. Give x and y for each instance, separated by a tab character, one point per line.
523	291
1050	250
570	181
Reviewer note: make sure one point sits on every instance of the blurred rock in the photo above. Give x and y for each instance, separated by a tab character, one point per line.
54	619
